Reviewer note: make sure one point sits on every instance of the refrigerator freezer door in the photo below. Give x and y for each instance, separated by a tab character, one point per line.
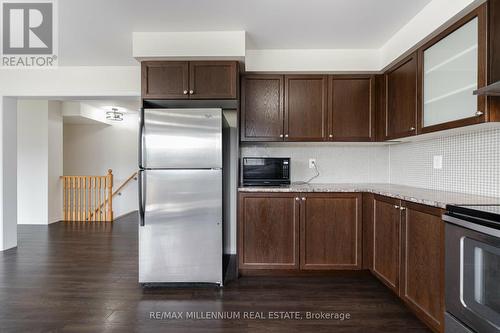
181	239
181	138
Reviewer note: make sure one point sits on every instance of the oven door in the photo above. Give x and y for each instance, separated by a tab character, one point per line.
473	277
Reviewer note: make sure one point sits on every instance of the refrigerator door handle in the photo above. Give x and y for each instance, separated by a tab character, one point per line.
142	197
141	139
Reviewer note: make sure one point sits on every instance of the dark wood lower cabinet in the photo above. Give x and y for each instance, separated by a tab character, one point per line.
401	242
386	240
408	253
268	231
330	233
422	266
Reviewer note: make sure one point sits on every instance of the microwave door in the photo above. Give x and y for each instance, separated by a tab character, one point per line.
181	139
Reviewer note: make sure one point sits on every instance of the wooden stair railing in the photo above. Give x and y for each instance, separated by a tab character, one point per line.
88	198
117	191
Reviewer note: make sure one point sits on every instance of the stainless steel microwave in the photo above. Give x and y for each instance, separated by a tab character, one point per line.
265	171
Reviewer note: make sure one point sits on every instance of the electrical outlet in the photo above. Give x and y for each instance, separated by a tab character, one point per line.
312	162
438	161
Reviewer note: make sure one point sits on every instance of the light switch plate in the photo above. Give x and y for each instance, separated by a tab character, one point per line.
438	162
312	161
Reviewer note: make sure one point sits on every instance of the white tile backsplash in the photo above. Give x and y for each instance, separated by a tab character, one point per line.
471	163
336	163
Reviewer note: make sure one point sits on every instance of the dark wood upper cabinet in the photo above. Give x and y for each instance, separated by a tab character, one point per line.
305	107
380	107
189	79
268	231
330	234
493	56
165	79
213	79
401	99
351	108
386	241
422	266
451	66
262	111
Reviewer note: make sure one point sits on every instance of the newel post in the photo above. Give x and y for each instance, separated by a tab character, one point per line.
109	209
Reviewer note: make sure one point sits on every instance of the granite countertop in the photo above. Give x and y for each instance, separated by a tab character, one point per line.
413	194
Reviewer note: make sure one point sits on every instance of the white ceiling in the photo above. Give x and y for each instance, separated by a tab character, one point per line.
96	32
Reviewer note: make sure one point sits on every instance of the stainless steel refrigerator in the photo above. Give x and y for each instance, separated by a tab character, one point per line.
180	196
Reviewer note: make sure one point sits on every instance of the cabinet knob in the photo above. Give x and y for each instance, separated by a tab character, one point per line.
286	135
281	135
412	128
330	136
297	198
402	208
303	198
191	92
479	113
396	206
185	92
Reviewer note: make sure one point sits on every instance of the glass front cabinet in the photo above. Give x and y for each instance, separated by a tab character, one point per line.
452	66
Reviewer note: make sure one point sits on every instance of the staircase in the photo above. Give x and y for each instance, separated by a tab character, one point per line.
90	198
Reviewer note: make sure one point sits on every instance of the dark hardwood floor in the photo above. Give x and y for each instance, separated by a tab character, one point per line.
82	277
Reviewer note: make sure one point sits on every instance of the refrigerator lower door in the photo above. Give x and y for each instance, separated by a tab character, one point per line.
180	235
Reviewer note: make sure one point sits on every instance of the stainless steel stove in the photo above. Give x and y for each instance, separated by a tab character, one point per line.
472	268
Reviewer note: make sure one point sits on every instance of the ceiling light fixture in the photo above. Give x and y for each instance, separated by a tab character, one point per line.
114	115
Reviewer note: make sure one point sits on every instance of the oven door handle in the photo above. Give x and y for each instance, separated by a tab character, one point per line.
473	226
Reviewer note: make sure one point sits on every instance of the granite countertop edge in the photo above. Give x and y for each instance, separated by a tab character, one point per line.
429	197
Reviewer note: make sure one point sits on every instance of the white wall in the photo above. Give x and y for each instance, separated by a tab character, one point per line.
32	162
93	149
55	161
39	159
8	175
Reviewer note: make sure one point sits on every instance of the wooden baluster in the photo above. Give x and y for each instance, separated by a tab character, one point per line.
66	181
64	197
79	197
103	205
95	199
89	199
73	187
109	207
76	199
99	199
84	195
80	201
70	198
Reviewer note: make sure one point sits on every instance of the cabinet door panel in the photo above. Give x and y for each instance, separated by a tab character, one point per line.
386	241
453	65
262	108
422	285
165	79
305	107
351	108
331	231
401	110
268	231
213	79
